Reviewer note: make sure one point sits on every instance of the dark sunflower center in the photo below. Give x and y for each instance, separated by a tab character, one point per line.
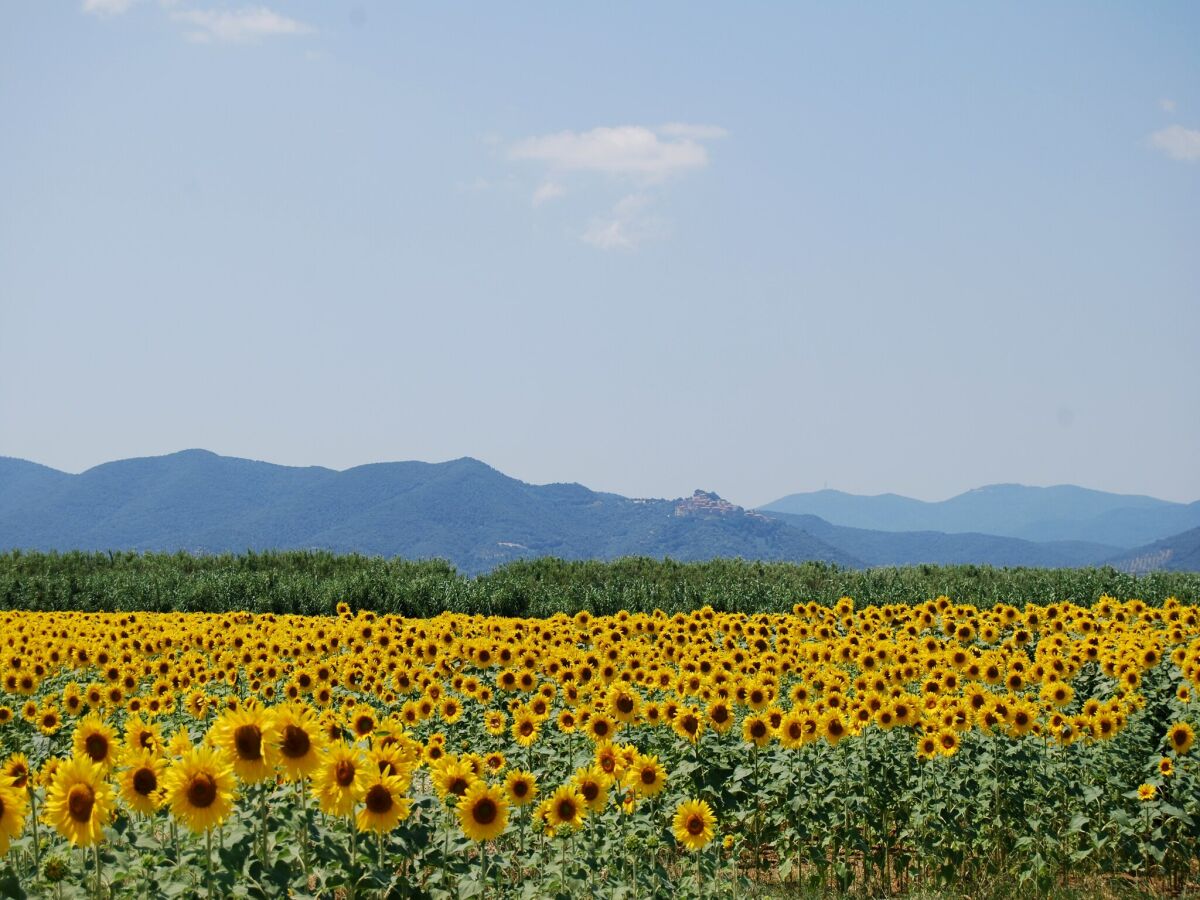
343	772
247	739
625	704
145	782
566	810
364	724
520	788
720	714
695	826
202	791
649	776
601	727
758	729
795	732
485	811
526	728
96	746
80	801
458	786
590	791
379	799
690	724
296	742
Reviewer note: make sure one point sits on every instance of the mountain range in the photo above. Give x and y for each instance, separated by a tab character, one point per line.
476	517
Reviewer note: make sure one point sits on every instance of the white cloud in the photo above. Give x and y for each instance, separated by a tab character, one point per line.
623	150
1178	143
107	7
238	26
1166	105
695	132
626	226
547	191
628	155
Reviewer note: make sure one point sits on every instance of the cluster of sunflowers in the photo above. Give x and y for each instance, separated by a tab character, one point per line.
380	755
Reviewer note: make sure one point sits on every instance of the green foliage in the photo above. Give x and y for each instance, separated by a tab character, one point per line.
314	582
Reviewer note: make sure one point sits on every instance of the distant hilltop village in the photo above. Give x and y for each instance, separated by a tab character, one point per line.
706	503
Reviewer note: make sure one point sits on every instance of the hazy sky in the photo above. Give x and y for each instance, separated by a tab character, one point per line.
652	247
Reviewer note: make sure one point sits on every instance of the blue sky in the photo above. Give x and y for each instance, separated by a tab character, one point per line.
755	248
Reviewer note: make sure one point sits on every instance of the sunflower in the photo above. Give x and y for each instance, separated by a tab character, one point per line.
140	735
1166	767
524	728
96	740
927	746
340	780
565	808
521	787
452	777
948	741
1146	792
688	724
756	731
141	781
833	729
483	812
15	771
247	737
384	804
1180	737
720	716
600	727
593	784
647	776
298	739
13	802
362	720
200	788
79	801
693	824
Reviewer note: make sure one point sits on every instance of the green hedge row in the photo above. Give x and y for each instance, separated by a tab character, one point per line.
315	582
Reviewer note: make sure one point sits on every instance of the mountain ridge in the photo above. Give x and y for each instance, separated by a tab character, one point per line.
462	510
477	517
1040	514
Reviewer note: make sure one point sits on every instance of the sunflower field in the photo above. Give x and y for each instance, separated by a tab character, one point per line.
877	749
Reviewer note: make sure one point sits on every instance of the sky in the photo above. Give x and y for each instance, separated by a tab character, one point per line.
755	248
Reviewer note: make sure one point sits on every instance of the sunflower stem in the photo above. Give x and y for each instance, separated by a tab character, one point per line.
262	815
208	858
37	850
99	882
